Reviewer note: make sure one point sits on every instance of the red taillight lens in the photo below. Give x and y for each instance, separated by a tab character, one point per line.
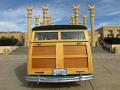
39	73
79	72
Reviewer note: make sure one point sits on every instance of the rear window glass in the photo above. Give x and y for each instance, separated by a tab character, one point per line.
46	36
72	35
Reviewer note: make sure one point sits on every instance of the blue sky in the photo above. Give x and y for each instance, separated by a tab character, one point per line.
13	15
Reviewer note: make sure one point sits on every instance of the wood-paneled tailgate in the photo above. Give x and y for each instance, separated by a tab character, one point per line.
79	59
75	56
44	57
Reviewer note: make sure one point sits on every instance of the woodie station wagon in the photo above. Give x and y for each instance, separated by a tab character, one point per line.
59	53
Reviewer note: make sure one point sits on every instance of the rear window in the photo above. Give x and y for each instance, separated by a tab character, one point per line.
72	35
46	36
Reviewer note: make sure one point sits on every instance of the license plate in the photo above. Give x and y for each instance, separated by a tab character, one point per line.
60	72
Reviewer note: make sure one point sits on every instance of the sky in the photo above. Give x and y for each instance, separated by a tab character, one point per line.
13	14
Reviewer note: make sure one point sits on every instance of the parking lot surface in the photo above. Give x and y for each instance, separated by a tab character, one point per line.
106	70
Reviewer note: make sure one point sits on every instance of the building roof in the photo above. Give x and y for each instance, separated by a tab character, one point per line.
103	27
60	27
10	32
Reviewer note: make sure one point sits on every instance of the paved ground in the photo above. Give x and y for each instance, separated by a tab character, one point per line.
106	69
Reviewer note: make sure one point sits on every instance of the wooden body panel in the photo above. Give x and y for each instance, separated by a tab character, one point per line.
43	50
75	50
43	63
76	62
73	55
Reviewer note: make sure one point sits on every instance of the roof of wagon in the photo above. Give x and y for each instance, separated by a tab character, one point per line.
60	27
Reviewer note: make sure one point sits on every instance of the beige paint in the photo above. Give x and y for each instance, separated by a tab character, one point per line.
10	48
117	48
104	31
91	9
41	23
49	20
84	20
29	13
17	35
72	20
114	48
76	15
45	14
36	20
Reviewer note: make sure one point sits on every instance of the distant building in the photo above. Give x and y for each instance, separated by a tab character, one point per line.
18	35
107	31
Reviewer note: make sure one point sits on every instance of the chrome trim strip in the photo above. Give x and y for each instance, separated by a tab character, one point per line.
58	80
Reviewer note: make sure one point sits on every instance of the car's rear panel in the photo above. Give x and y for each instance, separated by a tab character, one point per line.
74	56
59	53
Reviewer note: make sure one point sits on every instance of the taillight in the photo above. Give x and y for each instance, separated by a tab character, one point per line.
39	73
79	72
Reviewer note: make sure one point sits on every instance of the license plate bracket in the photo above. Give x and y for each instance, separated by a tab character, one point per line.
59	71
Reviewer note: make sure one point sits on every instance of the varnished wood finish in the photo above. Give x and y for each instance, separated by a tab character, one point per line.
74	56
46	55
75	50
43	50
76	62
59	55
43	63
77	56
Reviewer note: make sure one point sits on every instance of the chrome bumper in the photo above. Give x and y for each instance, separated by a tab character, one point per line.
58	80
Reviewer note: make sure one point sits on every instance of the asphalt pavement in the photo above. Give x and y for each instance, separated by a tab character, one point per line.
106	70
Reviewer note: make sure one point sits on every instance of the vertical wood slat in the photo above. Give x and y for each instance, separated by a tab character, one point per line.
29	65
90	64
59	55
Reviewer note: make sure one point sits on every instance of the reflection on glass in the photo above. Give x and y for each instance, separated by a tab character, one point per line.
46	36
73	35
